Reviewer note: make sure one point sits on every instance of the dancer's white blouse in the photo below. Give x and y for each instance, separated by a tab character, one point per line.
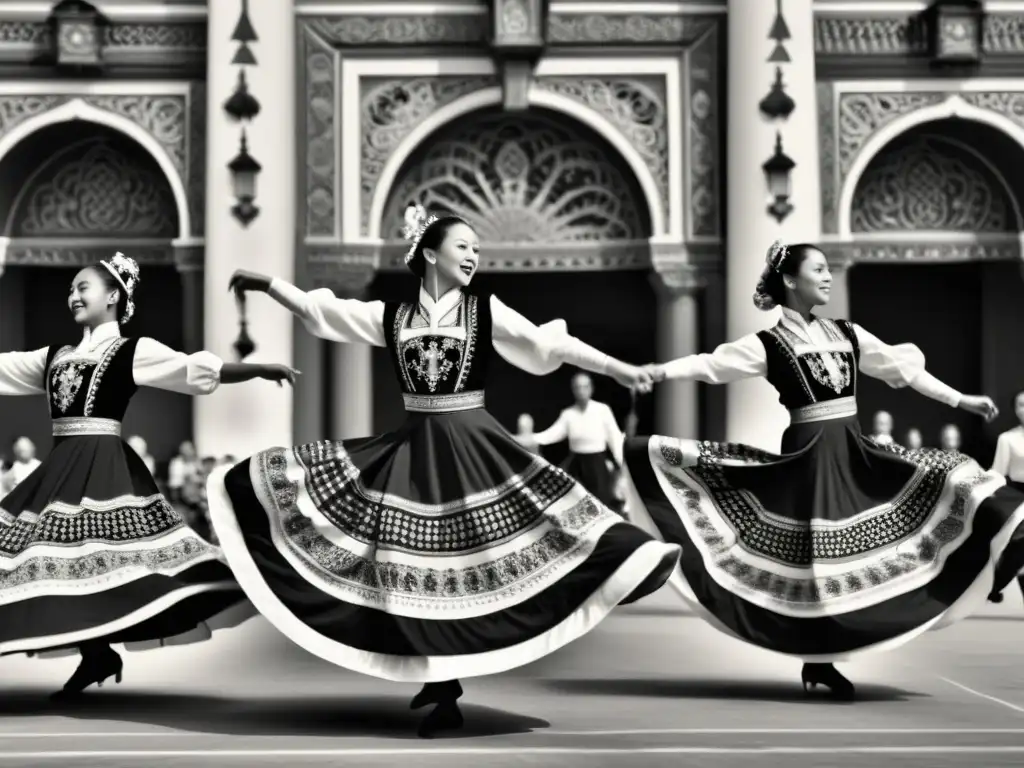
155	365
535	349
897	365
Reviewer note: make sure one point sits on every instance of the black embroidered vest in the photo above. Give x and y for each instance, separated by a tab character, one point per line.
80	387
800	376
439	364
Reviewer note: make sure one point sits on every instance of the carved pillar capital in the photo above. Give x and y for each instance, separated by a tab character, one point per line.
189	255
347	274
679	279
517	42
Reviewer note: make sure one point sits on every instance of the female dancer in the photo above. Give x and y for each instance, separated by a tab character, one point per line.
841	544
90	552
443	549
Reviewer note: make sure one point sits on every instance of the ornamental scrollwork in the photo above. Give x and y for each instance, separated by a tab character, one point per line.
95	189
391	110
32	255
703	168
635	106
828	156
930	184
909	252
422	29
901	35
321	115
862	115
521	179
626	29
162	117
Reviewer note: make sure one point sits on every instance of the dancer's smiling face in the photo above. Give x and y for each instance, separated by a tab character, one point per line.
456	256
809	284
91	299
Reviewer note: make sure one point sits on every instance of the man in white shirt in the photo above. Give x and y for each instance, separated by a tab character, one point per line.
1009	462
593	433
25	463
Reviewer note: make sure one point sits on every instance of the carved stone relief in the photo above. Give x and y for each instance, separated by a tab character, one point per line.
626	29
396	30
164	117
93	189
635	106
703	163
391	110
905	35
520	179
321	74
53	255
930	184
859	116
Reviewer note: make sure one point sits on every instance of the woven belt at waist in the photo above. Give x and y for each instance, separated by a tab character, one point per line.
830	409
85	425
463	401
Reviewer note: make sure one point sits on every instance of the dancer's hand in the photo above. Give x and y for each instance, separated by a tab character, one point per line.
631	377
980	405
279	373
656	371
243	280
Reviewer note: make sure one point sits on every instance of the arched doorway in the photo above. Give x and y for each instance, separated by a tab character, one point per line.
73	193
540	183
944	201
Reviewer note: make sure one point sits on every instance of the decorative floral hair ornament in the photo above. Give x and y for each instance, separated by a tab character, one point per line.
774	260
416	223
126	271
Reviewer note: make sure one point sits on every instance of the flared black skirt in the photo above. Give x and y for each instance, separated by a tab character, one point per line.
439	551
837	546
90	550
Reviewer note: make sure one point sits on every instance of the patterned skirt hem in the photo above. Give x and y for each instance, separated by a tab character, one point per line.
968	602
65	644
620	585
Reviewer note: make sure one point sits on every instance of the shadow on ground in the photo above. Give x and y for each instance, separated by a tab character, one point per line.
735	690
369	716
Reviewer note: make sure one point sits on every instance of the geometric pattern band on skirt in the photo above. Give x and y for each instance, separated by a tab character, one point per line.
838	547
91	551
442	550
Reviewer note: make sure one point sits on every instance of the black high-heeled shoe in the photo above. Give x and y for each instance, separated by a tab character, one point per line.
827	675
446	716
437	693
96	667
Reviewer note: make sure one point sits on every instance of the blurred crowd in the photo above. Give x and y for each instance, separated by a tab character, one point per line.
182	479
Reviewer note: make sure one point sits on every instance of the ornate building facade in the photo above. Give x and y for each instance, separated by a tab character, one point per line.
594	145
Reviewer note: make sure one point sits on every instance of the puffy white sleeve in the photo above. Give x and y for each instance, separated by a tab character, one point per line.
901	365
540	349
744	358
556	433
23	373
349	321
157	365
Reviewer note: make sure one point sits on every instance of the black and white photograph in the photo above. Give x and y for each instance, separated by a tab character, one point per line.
462	383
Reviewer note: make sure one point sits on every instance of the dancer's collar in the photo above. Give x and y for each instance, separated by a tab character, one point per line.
100	333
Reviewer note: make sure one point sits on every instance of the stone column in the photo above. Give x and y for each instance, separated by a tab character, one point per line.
676	403
753	413
243	418
188	260
350	398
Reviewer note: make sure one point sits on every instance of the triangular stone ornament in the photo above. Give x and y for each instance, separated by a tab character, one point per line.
780	55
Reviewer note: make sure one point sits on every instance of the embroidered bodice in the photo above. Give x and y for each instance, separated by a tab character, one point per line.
437	350
807	369
92	383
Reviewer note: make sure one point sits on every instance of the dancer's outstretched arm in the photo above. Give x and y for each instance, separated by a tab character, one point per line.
158	366
542	349
903	365
734	361
556	433
23	373
322	313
